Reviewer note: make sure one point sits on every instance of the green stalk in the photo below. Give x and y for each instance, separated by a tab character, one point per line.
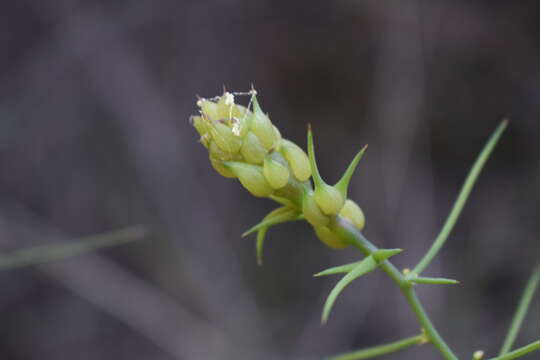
382	349
355	238
519	352
521	311
462	198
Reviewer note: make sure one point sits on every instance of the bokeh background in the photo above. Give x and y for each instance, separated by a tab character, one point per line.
95	98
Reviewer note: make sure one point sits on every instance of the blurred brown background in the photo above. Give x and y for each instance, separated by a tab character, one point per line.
94	135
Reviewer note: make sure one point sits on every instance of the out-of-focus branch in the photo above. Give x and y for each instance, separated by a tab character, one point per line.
133	301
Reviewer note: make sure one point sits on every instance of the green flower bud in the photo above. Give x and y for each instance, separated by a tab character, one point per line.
329	238
225	138
312	212
262	127
252	149
225	106
328	198
218	154
200	124
203	128
221	169
275	173
297	159
352	212
251	177
277	142
209	109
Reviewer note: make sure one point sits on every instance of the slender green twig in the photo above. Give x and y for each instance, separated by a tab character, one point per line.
355	238
54	252
462	198
382	349
519	352
521	310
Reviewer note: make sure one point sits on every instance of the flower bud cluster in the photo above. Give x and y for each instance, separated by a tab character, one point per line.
243	143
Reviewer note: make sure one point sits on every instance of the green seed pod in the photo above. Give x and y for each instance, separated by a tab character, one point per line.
262	127
352	212
221	169
224	138
275	173
329	238
312	212
251	177
297	159
252	149
328	198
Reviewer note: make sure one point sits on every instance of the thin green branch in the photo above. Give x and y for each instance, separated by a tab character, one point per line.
382	349
521	310
54	252
355	238
522	351
462	198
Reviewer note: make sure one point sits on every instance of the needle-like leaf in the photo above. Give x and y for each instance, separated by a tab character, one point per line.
342	269
364	267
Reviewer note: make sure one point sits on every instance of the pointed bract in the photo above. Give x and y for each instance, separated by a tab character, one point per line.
261	234
342	269
383	254
434	281
343	184
365	266
276	216
327	197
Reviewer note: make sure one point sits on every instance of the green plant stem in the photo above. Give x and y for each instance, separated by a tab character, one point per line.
462	198
54	252
382	349
521	311
519	352
355	238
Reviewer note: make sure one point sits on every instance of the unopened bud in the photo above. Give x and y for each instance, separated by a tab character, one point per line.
312	212
221	169
252	149
251	177
297	159
262	127
225	138
478	355
225	106
209	109
277	141
329	237
275	173
218	154
352	212
200	124
328	198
